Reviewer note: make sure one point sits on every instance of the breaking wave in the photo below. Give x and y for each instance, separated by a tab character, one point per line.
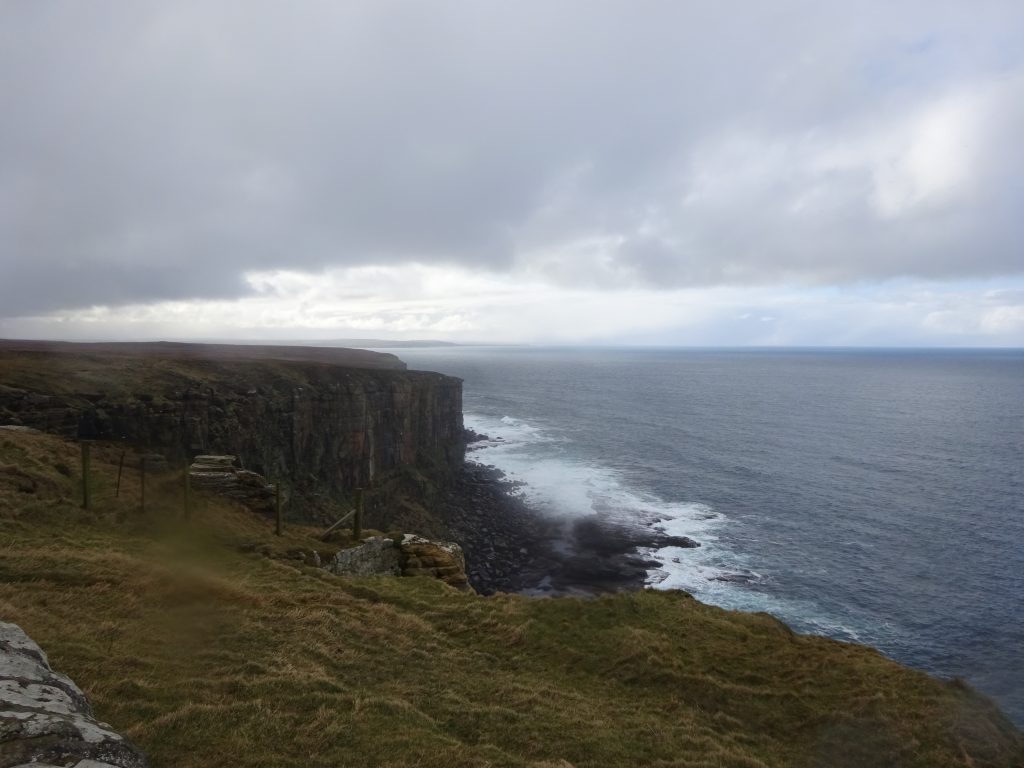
540	461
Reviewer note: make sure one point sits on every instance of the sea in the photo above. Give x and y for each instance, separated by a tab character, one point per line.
873	496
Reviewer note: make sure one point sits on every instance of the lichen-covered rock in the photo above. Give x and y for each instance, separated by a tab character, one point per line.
412	556
376	555
45	719
442	560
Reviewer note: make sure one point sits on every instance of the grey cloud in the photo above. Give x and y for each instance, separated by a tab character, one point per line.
156	150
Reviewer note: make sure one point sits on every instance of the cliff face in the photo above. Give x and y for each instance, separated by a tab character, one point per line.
324	427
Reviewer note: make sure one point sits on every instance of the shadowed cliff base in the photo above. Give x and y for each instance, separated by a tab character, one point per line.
510	547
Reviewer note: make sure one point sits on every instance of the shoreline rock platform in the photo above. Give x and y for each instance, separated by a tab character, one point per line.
511	547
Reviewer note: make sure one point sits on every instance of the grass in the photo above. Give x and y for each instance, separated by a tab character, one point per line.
206	655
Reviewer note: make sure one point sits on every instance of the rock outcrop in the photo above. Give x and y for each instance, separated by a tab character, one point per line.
45	719
442	560
219	475
411	556
324	428
376	555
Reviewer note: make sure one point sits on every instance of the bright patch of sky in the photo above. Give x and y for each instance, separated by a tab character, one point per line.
455	304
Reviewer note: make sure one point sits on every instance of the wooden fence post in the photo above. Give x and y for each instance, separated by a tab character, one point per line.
188	492
120	469
277	506
357	519
86	462
142	481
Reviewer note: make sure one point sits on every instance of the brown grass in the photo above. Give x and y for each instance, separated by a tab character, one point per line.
209	656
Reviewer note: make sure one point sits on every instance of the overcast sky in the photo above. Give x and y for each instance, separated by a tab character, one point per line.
538	171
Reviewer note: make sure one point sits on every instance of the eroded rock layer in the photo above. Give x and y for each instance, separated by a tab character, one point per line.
219	475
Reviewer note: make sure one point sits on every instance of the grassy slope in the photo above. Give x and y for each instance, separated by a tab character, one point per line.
69	374
62	352
208	656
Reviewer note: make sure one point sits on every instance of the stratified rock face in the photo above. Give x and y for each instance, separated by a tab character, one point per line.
45	719
322	427
219	475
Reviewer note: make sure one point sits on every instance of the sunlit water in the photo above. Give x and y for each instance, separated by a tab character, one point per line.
875	496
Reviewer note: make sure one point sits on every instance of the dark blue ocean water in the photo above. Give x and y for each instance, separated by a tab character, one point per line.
875	496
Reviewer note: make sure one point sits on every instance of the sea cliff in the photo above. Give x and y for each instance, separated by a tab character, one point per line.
325	421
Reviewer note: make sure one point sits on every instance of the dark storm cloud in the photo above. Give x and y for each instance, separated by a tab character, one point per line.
161	150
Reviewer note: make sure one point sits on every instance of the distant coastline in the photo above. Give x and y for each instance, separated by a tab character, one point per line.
377	343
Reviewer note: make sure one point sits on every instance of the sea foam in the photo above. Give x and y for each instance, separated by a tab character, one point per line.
554	481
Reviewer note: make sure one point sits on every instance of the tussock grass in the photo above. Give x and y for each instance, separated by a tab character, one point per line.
209	656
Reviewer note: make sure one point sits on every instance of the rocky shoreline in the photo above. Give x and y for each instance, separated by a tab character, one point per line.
510	547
